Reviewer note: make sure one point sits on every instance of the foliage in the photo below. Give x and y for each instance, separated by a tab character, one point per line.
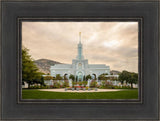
88	77
84	83
39	87
133	79
48	78
42	81
53	78
93	83
123	76
121	87
56	84
73	83
95	76
102	77
113	78
106	85
129	77
84	77
30	72
72	77
58	77
80	83
76	78
87	88
65	78
66	83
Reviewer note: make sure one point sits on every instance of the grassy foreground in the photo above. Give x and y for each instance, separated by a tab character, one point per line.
36	94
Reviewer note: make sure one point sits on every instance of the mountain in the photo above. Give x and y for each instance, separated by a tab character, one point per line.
44	65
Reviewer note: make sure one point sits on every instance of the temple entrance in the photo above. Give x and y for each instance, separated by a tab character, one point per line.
80	76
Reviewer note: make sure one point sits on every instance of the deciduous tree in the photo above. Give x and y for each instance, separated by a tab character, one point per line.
30	72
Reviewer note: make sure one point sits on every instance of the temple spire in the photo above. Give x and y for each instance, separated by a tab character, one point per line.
80	49
79	37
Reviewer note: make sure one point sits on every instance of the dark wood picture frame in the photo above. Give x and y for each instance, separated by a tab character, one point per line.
146	107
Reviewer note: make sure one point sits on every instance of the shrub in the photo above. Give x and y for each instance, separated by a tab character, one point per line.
93	83
38	87
48	77
87	88
84	83
51	86
66	83
106	85
80	83
56	85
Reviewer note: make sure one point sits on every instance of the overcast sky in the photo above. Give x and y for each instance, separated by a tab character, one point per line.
111	43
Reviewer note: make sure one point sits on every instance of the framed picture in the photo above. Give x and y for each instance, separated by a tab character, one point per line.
62	79
85	60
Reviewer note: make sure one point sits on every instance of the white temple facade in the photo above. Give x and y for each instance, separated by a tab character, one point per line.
79	67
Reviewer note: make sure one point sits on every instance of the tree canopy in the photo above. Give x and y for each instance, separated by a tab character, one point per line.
72	77
30	72
88	77
129	77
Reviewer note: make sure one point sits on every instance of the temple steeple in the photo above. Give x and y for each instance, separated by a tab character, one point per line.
80	49
79	37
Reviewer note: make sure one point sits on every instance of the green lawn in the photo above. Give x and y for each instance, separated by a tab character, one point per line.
36	94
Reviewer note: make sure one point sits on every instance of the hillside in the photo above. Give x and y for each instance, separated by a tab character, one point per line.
44	65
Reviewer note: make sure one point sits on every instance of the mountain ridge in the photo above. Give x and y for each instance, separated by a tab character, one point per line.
45	64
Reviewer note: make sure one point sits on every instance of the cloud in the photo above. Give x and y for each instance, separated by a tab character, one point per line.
110	43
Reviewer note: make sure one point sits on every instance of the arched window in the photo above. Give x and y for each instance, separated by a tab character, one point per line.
80	66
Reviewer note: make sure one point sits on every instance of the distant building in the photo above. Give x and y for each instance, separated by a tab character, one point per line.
79	67
114	72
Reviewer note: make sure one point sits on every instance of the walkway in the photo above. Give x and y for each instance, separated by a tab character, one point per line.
63	90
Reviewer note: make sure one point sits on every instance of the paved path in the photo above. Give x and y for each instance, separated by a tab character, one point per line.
63	90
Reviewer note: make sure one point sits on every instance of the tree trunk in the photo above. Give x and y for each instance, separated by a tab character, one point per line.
29	85
132	85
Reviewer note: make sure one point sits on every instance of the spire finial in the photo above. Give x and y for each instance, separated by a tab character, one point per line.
79	37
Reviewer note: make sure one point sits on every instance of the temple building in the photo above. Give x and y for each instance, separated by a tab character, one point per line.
79	67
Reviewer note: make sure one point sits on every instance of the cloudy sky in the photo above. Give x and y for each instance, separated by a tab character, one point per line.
111	43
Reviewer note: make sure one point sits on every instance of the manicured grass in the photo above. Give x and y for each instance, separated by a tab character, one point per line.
36	94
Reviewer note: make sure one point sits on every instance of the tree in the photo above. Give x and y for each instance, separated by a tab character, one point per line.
102	77
38	78
76	78
129	77
30	72
113	78
95	76
124	76
42	81
48	78
65	77
58	77
84	78
72	77
54	78
133	79
88	77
